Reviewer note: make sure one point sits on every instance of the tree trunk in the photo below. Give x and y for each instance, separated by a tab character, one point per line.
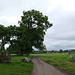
21	52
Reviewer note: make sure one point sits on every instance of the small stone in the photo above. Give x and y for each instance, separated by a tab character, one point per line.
25	59
71	58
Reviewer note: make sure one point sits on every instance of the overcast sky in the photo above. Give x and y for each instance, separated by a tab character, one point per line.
60	12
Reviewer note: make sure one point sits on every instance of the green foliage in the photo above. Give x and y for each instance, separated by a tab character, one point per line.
36	25
60	51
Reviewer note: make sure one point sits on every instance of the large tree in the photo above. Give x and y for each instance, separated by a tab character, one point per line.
35	25
30	33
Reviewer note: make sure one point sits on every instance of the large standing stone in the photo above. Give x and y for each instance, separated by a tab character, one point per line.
68	53
25	59
71	58
5	56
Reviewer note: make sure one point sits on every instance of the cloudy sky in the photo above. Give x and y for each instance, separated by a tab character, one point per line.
60	12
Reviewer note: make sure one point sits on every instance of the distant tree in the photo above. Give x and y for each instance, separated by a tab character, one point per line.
60	51
52	51
65	50
73	50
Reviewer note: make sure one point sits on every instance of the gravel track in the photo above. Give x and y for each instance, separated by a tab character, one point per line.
42	68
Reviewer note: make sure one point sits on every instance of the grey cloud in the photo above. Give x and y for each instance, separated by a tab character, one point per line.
59	44
62	34
16	7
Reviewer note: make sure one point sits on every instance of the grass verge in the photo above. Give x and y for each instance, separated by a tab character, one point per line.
16	67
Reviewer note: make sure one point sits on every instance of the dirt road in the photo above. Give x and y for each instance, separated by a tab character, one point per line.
42	68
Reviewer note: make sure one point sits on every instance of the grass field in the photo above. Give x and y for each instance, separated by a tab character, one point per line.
16	67
60	60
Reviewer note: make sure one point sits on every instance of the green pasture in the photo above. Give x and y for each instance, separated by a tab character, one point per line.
16	67
60	60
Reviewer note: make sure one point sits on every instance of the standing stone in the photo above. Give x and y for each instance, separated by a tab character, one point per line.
68	53
5	56
71	58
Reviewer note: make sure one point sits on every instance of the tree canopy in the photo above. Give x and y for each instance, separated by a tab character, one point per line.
30	32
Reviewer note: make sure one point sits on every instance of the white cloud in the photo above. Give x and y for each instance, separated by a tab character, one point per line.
67	5
10	19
